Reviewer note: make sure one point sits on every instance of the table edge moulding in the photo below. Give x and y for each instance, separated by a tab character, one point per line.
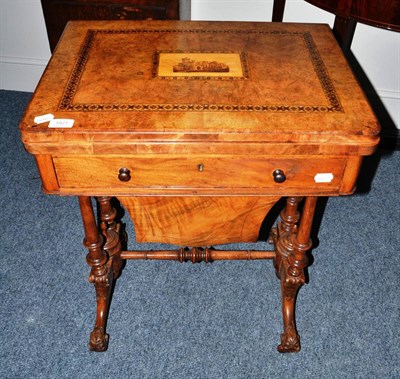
198	129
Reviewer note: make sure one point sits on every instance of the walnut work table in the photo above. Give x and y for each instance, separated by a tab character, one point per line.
198	129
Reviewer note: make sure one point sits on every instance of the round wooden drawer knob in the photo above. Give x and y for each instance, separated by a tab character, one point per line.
279	176
124	174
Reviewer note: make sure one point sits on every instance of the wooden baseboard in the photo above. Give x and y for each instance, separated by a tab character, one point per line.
21	73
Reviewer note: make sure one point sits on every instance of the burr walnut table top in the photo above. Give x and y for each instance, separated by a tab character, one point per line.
288	90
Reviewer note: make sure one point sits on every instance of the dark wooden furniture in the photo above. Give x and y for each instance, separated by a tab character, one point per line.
58	12
199	129
382	13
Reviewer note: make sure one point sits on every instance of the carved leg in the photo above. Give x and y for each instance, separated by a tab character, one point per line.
290	340
100	274
287	226
111	231
292	247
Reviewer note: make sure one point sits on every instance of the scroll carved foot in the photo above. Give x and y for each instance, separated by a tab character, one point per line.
290	340
98	340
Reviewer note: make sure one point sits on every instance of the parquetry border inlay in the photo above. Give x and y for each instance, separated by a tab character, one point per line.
67	100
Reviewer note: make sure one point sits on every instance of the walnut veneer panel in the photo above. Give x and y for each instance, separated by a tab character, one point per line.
198	221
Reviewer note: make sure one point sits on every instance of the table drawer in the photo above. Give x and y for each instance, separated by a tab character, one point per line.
197	172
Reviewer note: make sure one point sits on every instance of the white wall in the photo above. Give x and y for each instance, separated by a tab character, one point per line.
24	49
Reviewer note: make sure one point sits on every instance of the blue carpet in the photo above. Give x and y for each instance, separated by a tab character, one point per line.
171	320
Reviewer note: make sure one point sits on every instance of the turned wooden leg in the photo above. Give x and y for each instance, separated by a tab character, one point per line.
292	246
100	274
287	226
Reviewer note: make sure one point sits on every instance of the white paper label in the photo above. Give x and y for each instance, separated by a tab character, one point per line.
325	177
61	123
43	118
